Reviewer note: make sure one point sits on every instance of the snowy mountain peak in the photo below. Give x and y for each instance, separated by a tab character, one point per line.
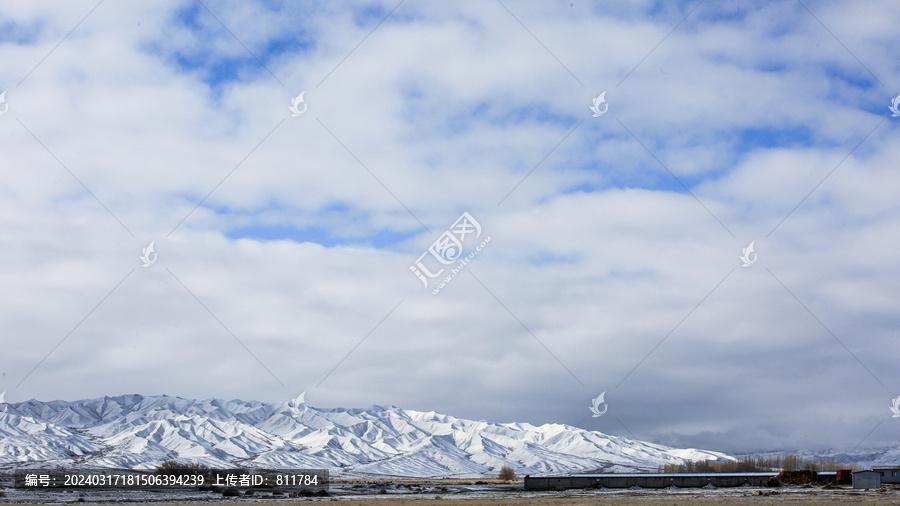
135	431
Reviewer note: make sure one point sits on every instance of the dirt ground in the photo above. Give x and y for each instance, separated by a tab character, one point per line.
806	499
465	493
659	501
636	501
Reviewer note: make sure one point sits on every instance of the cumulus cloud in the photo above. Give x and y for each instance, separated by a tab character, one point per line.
285	243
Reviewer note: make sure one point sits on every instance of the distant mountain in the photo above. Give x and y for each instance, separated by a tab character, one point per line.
140	432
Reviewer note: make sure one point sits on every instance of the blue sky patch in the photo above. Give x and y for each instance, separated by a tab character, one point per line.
749	139
19	34
368	16
380	239
545	258
217	69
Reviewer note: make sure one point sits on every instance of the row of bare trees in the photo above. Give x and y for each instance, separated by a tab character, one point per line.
750	464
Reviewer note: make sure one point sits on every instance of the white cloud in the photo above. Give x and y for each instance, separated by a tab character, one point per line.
450	107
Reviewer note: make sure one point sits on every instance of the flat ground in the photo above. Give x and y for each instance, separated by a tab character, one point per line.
628	502
635	501
463	492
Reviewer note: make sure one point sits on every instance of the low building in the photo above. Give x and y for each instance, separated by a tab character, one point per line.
889	474
648	480
827	477
867	479
844	476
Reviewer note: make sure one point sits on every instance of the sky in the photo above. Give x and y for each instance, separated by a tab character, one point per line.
320	243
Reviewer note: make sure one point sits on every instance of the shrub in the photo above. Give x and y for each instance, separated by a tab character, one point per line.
507	474
797	477
172	467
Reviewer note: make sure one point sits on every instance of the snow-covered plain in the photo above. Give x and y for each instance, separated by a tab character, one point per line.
140	432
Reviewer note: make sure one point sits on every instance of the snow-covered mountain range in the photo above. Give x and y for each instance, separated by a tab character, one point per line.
140	432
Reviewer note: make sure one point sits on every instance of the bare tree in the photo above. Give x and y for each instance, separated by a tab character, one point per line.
507	474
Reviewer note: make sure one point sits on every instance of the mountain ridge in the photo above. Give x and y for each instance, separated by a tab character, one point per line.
140	432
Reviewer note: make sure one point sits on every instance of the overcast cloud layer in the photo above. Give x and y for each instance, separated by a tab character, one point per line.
285	243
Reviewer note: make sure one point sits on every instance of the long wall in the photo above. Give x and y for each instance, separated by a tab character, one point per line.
648	480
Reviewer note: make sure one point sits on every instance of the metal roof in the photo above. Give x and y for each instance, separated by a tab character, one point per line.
663	475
